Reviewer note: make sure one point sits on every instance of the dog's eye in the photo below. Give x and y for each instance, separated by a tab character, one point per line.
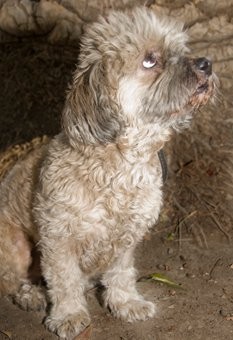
149	61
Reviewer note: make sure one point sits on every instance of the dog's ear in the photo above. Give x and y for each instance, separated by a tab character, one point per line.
91	116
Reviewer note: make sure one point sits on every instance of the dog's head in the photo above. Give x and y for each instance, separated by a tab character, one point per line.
133	69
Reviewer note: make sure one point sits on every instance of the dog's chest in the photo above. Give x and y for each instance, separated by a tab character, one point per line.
134	194
126	209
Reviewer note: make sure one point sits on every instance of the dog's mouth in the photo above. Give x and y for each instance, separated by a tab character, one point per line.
203	88
202	93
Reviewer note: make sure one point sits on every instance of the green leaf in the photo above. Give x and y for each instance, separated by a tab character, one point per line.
163	279
170	237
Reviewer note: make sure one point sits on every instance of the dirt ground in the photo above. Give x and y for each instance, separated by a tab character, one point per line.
192	242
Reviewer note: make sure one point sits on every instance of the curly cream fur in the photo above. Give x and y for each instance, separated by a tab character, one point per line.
88	197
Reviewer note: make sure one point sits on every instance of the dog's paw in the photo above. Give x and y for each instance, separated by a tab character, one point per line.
134	310
70	326
30	298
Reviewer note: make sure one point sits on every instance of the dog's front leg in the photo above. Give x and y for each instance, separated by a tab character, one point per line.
121	295
66	288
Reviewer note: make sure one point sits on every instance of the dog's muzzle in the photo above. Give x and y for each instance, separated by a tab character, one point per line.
203	69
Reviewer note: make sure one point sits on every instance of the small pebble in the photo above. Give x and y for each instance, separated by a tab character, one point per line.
170	251
223	312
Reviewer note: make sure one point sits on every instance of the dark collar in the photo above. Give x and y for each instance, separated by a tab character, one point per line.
163	163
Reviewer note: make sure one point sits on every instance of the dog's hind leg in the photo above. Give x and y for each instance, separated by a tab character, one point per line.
15	260
30	297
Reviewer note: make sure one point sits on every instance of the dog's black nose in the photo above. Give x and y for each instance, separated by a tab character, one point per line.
204	65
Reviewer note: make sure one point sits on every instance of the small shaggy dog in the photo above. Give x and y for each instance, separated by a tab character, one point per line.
87	197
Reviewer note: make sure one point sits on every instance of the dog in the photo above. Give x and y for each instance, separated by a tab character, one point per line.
87	197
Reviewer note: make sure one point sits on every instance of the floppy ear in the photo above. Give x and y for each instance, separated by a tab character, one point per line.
91	116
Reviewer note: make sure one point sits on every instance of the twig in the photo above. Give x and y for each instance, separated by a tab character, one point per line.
203	236
213	267
180	224
6	333
177	204
215	220
219	226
